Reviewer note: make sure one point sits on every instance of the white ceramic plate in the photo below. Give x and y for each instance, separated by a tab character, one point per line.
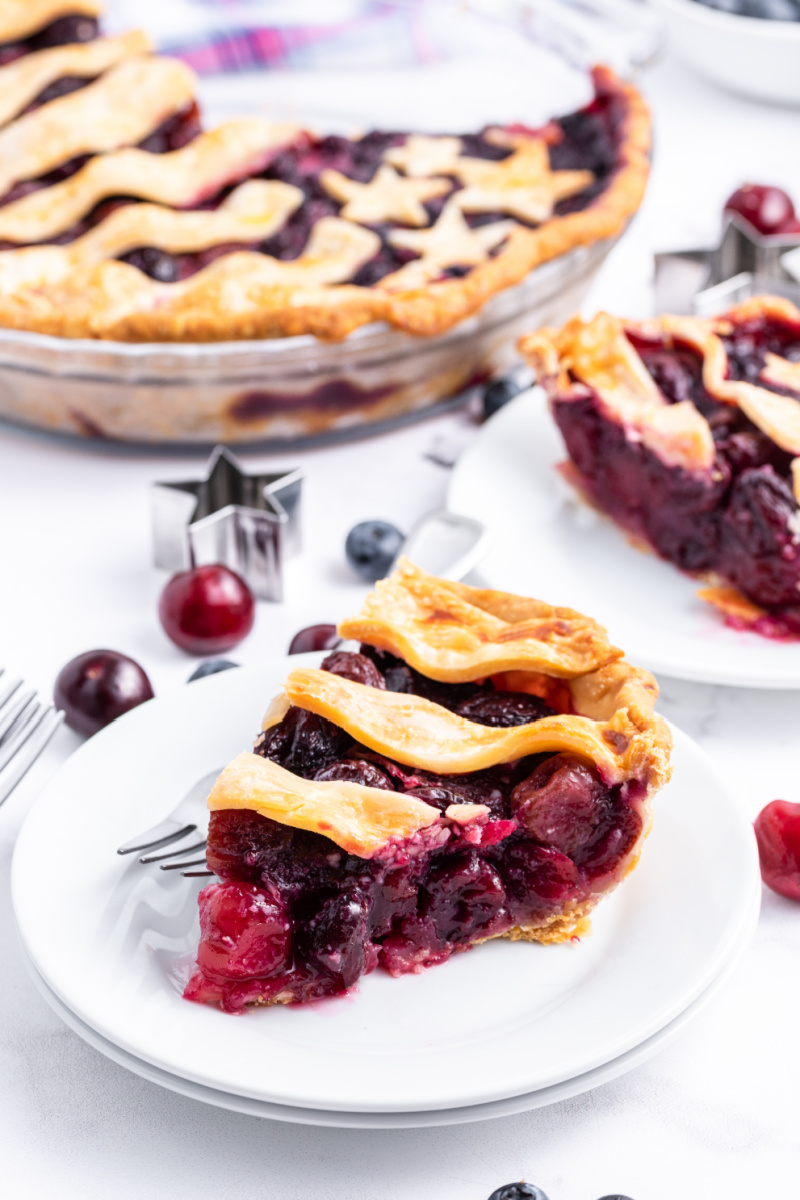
406	1120
113	941
548	543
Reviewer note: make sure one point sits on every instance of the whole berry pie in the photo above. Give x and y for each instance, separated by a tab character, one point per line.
686	431
122	218
481	767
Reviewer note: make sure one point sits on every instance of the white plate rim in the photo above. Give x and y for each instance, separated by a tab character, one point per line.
466	1114
208	693
744	659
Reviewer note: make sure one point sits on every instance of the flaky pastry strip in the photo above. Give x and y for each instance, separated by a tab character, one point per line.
453	632
418	733
178	178
238	302
21	18
359	819
121	107
253	211
242	295
598	355
23	79
775	415
522	185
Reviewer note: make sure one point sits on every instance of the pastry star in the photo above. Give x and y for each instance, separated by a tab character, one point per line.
521	184
448	243
387	197
421	156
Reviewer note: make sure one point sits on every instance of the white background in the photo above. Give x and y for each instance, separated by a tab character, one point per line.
716	1115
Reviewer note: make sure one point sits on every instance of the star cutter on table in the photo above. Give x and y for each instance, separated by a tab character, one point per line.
745	263
249	522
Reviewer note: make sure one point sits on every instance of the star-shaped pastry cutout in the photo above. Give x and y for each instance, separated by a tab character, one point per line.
522	184
421	156
387	197
448	243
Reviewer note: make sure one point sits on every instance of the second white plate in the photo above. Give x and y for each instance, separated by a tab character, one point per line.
548	543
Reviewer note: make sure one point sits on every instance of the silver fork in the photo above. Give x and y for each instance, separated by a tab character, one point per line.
26	726
189	820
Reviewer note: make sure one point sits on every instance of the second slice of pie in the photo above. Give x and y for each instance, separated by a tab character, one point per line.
686	431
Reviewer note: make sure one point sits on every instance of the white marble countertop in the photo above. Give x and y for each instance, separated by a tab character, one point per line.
714	1115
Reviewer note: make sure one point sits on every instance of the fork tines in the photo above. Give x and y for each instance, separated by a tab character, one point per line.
26	726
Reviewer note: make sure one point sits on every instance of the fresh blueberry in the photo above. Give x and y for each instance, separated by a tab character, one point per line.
372	547
212	666
518	1191
498	394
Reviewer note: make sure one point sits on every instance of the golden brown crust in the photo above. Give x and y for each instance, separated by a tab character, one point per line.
775	415
453	632
23	79
253	210
597	354
98	117
232	299
631	743
178	178
361	820
21	18
557	927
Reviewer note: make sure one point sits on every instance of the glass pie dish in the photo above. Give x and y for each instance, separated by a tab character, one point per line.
279	276
282	389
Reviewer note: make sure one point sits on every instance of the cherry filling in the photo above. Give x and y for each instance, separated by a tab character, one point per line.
585	139
295	918
74	27
738	519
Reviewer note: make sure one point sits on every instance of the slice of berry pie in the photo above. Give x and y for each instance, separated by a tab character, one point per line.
121	218
687	432
482	767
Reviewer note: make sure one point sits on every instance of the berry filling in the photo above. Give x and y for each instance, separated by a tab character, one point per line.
586	139
738	520
295	918
71	28
177	131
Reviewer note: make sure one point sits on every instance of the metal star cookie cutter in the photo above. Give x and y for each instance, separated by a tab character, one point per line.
683	277
249	522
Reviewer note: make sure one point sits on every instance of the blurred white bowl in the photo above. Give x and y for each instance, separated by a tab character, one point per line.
746	54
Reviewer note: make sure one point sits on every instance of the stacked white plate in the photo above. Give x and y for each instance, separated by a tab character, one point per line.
504	1028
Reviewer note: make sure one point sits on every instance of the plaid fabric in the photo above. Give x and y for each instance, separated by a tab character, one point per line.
215	36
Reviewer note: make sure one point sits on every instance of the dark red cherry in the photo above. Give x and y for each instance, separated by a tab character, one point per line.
246	932
97	687
767	209
778	835
518	1191
561	804
206	610
314	637
357	667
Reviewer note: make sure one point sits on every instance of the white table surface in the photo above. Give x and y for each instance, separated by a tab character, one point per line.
715	1115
